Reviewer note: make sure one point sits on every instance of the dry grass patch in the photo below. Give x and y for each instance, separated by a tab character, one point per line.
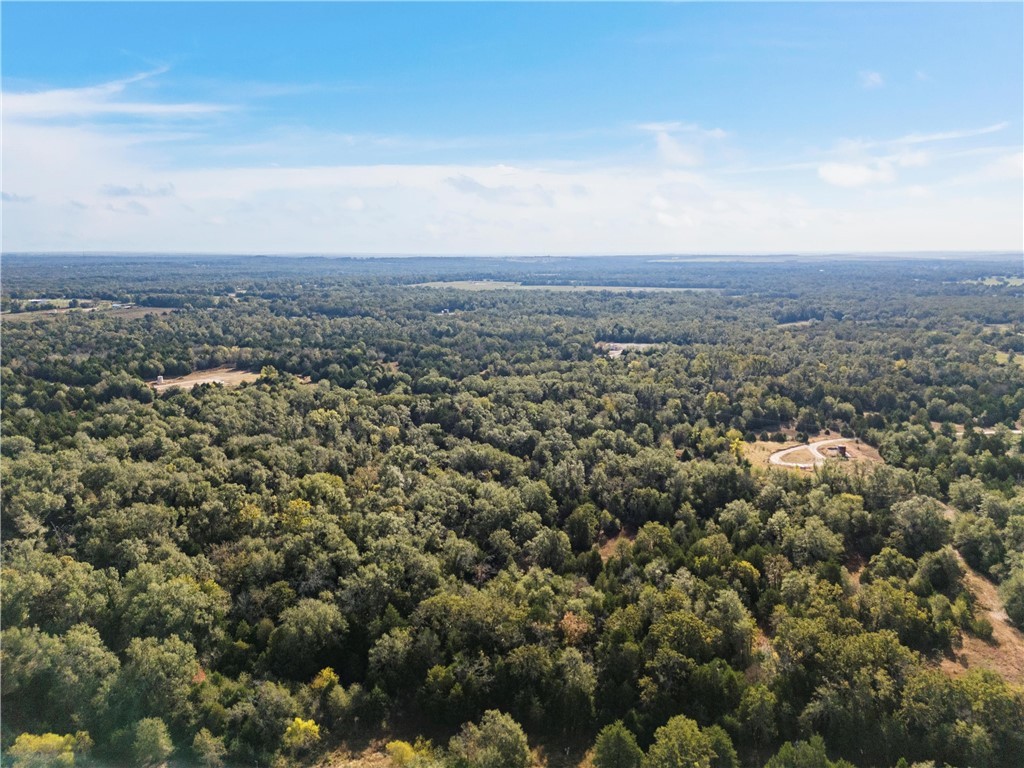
129	313
1004	653
616	348
609	546
863	452
800	456
226	375
758	452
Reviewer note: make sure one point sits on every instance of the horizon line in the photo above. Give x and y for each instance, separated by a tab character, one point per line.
425	255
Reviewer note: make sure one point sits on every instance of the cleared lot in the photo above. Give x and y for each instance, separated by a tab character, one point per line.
229	377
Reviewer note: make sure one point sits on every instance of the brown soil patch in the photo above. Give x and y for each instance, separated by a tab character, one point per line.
855	567
863	452
229	377
608	548
1004	654
763	659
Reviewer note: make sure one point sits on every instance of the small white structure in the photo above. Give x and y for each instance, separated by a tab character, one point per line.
159	379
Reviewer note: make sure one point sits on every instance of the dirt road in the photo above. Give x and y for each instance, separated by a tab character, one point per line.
779	457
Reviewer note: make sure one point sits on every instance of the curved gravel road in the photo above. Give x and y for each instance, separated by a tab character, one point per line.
779	457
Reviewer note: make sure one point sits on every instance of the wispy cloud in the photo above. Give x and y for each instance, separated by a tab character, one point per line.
681	127
856	174
138	190
11	197
99	100
680	143
871	80
924	138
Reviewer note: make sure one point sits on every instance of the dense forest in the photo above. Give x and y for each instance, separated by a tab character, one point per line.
512	524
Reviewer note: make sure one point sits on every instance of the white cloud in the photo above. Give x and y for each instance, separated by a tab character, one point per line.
923	138
674	152
85	184
871	80
138	190
681	127
912	159
856	174
680	143
1005	167
98	100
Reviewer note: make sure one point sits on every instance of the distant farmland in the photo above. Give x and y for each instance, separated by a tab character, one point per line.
497	285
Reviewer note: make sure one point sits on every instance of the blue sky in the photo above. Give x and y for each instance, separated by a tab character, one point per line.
512	128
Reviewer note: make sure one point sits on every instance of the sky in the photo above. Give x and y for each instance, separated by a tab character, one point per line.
505	128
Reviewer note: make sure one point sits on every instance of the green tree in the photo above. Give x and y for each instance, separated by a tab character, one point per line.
1012	592
804	754
919	526
308	638
209	749
48	750
152	744
158	678
497	742
680	744
300	735
757	714
616	747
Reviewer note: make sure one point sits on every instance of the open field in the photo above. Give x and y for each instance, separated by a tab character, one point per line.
229	377
794	455
616	348
798	324
129	313
801	456
132	313
1003	358
498	285
998	280
757	453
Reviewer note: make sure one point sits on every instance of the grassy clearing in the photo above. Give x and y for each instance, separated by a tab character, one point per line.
229	377
994	280
616	348
798	324
1004	654
609	547
1003	358
757	453
129	313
